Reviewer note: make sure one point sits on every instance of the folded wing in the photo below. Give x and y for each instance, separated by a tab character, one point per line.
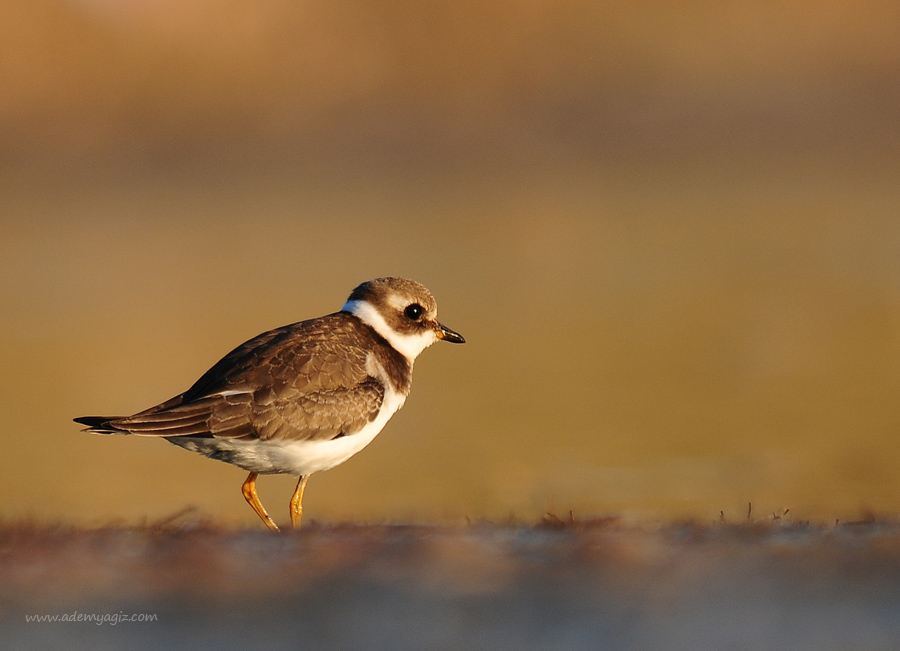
293	383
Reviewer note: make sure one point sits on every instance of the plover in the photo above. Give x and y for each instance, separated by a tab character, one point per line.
301	398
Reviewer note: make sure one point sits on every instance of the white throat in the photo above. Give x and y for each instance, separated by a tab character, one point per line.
407	345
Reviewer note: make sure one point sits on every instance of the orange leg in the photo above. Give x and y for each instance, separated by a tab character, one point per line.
249	491
297	502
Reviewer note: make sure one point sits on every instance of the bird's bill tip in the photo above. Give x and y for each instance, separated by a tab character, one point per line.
445	333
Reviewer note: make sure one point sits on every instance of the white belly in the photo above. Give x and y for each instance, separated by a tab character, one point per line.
292	457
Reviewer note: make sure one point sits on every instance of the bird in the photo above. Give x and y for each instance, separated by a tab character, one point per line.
304	397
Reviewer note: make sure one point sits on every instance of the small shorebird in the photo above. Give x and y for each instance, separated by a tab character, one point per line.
301	398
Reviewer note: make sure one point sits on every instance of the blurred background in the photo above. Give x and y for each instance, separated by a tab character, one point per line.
670	233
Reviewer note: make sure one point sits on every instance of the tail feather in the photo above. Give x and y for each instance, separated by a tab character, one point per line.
99	424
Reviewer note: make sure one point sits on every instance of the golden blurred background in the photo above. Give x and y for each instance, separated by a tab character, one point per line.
670	233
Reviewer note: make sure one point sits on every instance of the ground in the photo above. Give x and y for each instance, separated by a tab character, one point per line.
558	584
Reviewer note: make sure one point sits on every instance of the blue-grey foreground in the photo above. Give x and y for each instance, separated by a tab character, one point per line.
567	587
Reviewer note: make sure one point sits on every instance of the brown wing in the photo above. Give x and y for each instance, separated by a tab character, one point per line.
307	381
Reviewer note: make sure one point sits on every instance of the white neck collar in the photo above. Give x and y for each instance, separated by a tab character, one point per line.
407	345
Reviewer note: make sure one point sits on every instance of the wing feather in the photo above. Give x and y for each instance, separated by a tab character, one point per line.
308	381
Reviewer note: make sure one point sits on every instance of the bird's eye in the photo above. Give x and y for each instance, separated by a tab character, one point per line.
414	311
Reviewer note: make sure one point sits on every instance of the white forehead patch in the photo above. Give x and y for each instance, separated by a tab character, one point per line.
407	345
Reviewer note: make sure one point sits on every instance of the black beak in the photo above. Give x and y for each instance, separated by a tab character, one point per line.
447	334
